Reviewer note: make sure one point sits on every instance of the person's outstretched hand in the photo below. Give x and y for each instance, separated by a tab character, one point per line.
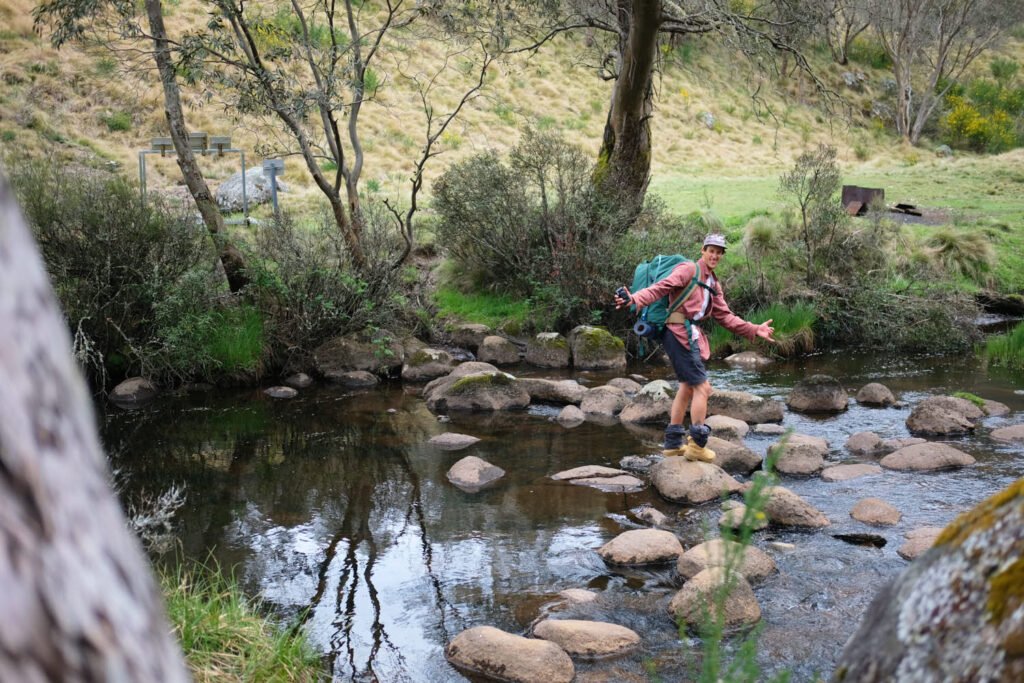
620	302
764	330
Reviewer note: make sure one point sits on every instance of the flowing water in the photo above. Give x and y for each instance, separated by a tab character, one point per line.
333	508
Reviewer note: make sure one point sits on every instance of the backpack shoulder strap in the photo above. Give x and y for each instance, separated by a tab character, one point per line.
688	290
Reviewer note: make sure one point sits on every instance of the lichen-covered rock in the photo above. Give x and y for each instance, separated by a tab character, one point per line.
957	612
752	563
381	354
943	416
684	481
469	335
927	456
427	364
864	443
652	403
788	509
132	392
875	511
639	547
482	391
728	428
564	391
588	639
595	348
1011	434
548	350
450	441
692	602
603	400
734	458
472	473
745	406
875	394
748	359
506	657
800	454
498	350
847	472
280	392
818	394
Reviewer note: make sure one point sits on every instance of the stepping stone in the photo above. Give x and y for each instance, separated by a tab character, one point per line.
752	563
472	474
490	651
639	547
788	509
578	595
587	471
847	472
728	428
624	483
769	429
918	541
683	481
691	603
926	456
875	511
588	639
732	518
281	392
450	441
571	416
1014	433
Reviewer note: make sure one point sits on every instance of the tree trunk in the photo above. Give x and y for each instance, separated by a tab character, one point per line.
230	257
79	602
624	164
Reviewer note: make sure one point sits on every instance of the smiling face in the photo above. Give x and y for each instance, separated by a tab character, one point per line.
712	255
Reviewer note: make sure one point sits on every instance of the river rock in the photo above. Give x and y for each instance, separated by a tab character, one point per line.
638	547
734	458
786	508
498	350
469	335
800	454
132	392
875	511
752	563
892	445
280	392
745	406
692	602
818	394
379	354
548	350
769	429
957	612
482	391
995	408
875	394
587	471
595	348
450	441
564	392
628	385
604	400
507	657
728	428
748	359
588	639
864	443
299	380
683	481
732	518
918	542
623	483
943	415
472	473
571	416
649	514
427	364
847	472
353	379
653	403
927	456
580	596
1011	434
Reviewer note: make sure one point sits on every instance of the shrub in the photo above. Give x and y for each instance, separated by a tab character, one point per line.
117	121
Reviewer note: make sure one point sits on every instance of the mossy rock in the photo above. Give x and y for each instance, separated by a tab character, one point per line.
548	350
595	348
483	391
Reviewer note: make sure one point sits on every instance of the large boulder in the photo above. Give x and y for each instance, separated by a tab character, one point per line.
427	364
943	416
604	400
506	657
927	456
786	508
343	354
588	639
482	391
548	350
745	406
692	602
472	473
733	457
257	190
801	454
639	547
752	563
469	335
562	392
818	394
957	612
498	350
132	392
728	428
595	348
683	481
875	395
653	403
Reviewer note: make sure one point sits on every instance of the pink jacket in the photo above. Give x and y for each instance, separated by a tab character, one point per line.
674	284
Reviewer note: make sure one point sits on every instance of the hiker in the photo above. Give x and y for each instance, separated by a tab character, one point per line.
681	330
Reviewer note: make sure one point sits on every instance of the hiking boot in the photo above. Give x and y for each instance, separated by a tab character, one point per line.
673	440
699	453
700	434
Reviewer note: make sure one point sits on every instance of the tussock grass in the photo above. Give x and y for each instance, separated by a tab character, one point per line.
794	331
223	634
235	340
1006	349
966	254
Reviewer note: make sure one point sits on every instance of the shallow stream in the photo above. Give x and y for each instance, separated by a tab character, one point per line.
332	506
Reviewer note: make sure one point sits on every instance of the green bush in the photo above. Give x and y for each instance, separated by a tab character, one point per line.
117	121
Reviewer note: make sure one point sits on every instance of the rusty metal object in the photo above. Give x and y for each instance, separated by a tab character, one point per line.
864	195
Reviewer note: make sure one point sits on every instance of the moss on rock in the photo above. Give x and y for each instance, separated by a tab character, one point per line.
981	517
474	382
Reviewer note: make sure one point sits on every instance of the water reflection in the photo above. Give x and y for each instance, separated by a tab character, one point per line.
337	512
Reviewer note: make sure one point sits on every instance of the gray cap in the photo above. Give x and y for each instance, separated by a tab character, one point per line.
715	240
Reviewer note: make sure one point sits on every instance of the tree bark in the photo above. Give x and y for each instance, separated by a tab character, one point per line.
230	257
624	163
79	602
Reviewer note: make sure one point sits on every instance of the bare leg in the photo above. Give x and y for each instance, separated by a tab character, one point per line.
699	406
680	404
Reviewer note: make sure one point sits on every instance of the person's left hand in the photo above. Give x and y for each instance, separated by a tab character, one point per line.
766	331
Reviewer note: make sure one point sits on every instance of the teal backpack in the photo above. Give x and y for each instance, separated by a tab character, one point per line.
653	317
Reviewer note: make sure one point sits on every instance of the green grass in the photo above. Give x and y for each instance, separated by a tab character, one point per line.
1006	349
235	340
968	396
488	309
223	635
117	121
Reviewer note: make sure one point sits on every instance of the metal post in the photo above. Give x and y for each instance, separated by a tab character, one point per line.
142	176
271	168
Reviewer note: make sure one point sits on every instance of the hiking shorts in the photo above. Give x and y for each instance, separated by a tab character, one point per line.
688	365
